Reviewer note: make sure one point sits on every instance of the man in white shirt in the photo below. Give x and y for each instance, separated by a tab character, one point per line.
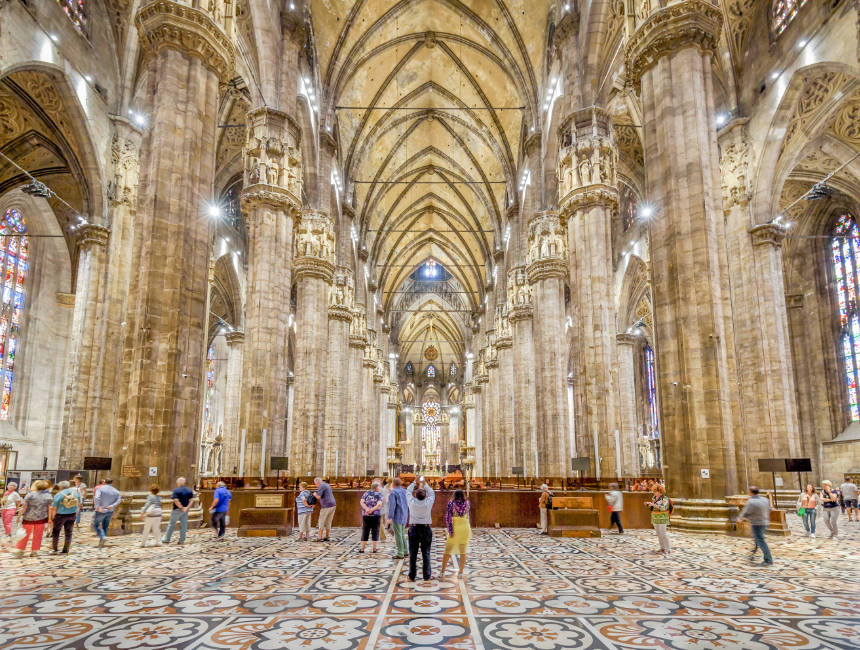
420	501
849	496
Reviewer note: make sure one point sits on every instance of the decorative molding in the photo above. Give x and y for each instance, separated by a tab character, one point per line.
587	161
547	254
92	234
771	234
734	164
314	246
166	24
627	339
235	338
341	295
272	158
125	162
520	299
688	23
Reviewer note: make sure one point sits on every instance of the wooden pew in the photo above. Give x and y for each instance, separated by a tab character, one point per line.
574	517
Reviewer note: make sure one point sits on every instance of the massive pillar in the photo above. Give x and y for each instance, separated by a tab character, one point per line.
353	379
233	406
628	426
271	199
340	306
314	270
671	56
520	315
187	56
762	345
87	346
588	197
547	267
510	445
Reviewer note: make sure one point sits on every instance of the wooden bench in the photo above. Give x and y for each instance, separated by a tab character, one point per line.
265	522
574	517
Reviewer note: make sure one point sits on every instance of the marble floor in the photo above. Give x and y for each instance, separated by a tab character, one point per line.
521	590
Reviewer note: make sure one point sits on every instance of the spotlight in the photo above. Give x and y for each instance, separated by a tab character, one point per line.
819	191
54	37
214	211
88	78
36	188
774	75
646	211
722	118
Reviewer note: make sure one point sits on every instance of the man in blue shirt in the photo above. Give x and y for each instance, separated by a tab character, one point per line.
182	497
64	509
327	505
420	500
220	506
398	515
105	501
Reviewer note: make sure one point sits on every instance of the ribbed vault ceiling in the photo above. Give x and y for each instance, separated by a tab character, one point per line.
430	100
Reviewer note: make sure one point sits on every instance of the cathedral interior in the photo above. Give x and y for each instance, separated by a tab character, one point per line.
508	240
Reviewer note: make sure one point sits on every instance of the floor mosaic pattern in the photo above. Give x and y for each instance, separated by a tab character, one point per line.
521	590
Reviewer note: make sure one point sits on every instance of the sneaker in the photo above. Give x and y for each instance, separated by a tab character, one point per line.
65	551
361	550
101	542
165	541
767	563
812	535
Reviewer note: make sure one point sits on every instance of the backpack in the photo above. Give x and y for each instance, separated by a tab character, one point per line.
311	500
671	506
549	502
70	501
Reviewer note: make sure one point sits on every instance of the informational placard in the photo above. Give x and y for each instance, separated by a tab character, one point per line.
153	471
268	500
706	473
130	471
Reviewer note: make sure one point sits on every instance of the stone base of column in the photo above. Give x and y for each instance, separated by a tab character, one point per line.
704	515
129	520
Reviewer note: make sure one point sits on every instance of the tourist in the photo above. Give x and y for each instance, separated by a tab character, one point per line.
458	530
808	502
81	488
182	497
304	510
830	503
849	494
757	512
325	497
219	508
543	505
660	507
371	515
9	505
64	511
398	515
35	513
420	521
385	491
151	514
615	501
105	501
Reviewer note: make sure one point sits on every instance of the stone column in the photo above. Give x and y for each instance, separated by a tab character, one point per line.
520	315
340	306
368	362
271	199
86	343
233	406
493	446
486	410
354	381
547	267
671	55
588	198
510	444
187	55
628	425
477	432
314	270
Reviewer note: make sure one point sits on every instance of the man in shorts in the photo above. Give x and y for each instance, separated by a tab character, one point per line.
327	505
849	495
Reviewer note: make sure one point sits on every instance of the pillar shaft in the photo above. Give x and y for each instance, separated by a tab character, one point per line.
520	314
340	306
671	54
628	424
588	198
188	55
314	270
233	405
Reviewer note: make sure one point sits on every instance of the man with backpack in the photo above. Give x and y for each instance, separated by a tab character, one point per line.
63	511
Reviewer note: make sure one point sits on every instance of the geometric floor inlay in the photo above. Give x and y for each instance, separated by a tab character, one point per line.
521	590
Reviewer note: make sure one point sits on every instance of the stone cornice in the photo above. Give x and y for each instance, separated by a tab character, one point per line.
271	195
547	268
504	342
520	312
588	196
92	234
689	23
235	338
308	266
166	24
492	363
770	234
338	312
357	341
627	339
368	362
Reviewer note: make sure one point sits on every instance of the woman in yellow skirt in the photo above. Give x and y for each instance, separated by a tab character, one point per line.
459	531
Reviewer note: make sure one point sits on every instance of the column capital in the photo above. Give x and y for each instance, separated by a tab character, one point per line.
520	295
125	161
358	328
314	246
235	337
547	254
587	161
272	159
734	164
341	295
768	234
92	234
625	338
688	23
166	24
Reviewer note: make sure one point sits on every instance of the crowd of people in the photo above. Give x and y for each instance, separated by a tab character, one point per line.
406	513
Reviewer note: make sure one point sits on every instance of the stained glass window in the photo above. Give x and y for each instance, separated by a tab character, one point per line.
651	387
14	265
77	12
784	12
453	370
430	433
410	369
845	253
210	390
628	207
431	371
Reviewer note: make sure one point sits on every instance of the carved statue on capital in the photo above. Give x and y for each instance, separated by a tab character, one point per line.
520	294
503	328
272	154
547	254
125	161
587	161
315	246
734	165
341	295
358	328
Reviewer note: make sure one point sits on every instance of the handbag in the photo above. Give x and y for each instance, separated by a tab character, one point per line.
801	512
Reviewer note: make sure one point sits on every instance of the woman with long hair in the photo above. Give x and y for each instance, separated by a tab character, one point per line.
458	531
808	501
